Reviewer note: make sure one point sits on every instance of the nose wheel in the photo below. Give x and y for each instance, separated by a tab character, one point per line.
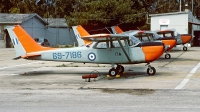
151	70
184	48
167	56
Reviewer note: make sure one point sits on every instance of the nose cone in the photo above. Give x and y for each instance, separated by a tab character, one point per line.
186	38
171	43
153	51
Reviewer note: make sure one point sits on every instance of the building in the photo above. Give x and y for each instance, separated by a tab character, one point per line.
59	32
36	27
183	22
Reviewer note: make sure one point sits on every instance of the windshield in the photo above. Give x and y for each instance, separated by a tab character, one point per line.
176	33
133	40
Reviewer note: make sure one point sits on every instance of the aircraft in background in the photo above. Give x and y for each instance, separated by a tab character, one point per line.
148	36
128	53
181	39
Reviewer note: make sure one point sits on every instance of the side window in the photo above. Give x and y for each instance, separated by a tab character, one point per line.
101	45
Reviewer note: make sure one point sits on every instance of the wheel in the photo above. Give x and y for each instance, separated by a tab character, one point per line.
184	48
120	69
167	56
113	72
151	71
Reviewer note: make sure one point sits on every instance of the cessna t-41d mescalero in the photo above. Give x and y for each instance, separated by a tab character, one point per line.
132	49
181	39
127	52
148	36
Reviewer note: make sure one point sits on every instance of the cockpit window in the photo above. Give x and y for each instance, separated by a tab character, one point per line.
109	44
134	41
176	33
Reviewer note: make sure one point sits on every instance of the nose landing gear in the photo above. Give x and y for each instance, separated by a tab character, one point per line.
167	56
184	48
150	70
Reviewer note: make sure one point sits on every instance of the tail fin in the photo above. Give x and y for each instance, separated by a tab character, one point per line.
79	32
23	42
16	43
116	29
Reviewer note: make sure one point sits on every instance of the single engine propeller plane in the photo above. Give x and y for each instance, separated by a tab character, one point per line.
181	39
149	36
128	52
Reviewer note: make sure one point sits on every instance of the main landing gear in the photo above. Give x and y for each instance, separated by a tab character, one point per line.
120	69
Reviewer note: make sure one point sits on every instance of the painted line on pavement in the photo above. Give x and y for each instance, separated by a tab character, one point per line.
187	78
20	65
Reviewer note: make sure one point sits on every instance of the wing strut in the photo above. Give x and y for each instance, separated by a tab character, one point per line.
120	43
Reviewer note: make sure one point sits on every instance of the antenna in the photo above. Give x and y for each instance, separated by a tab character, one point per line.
108	30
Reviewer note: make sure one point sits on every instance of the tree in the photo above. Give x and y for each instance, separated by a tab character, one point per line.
5	6
107	12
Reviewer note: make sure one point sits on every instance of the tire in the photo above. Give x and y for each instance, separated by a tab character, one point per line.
151	71
113	72
120	69
184	48
167	56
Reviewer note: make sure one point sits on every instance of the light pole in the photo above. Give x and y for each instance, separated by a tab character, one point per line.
180	5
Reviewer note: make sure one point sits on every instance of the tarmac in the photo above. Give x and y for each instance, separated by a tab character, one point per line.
29	85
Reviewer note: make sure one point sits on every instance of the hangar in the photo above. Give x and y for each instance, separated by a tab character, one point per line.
55	30
183	22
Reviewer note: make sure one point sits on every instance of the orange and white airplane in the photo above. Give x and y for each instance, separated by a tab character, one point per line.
181	39
128	52
148	36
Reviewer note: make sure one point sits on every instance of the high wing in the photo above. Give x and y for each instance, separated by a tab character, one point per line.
98	37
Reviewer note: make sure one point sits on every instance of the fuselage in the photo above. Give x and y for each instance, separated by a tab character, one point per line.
140	53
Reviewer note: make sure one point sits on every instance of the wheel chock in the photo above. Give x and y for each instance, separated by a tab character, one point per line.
117	76
108	76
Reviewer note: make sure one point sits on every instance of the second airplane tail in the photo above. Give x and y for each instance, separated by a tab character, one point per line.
79	32
116	29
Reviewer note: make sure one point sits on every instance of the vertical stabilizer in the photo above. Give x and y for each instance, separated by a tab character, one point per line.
23	42
78	37
16	43
79	32
116	29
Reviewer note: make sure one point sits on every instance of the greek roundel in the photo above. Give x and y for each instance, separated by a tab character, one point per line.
91	56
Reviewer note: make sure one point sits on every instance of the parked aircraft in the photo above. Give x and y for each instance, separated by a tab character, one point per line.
80	32
181	39
149	36
127	53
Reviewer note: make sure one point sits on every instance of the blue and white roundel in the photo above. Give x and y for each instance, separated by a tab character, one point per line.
91	56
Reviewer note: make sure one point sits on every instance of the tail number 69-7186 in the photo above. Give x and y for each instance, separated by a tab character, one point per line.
67	55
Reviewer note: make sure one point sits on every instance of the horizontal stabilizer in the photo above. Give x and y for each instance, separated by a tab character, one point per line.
30	55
